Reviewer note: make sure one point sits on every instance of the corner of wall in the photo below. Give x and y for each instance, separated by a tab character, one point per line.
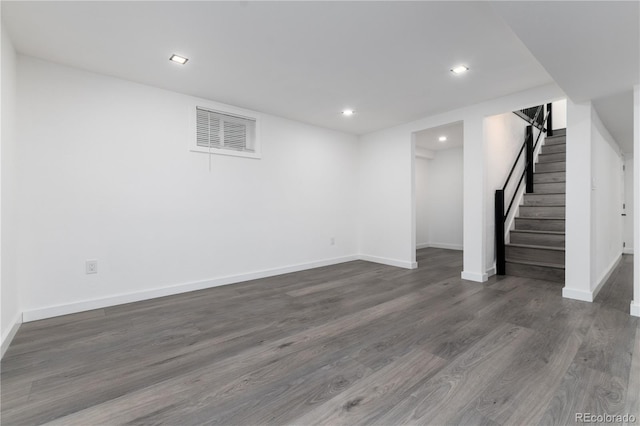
10	334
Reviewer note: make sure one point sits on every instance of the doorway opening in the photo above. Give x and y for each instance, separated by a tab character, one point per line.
439	192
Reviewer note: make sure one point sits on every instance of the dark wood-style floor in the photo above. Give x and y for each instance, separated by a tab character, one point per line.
357	343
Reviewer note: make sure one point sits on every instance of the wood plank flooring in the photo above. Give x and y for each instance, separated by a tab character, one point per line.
356	343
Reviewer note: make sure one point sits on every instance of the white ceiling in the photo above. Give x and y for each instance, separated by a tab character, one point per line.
306	61
428	138
616	113
590	48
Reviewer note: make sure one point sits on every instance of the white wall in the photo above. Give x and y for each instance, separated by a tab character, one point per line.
439	201
386	201
606	201
627	230
106	174
385	198
445	177
10	298
593	205
559	114
578	277
422	202
635	304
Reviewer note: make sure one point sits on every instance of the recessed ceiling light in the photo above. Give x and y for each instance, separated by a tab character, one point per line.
460	69
179	59
442	138
348	112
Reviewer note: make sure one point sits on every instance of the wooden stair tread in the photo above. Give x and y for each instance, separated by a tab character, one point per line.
541	218
532	231
544	193
539	252
544	183
530	246
533	263
549	162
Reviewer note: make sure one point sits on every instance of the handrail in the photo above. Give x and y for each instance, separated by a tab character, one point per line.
530	116
500	215
526	167
515	163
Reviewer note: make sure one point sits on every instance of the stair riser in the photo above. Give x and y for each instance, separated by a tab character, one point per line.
551	167
552	149
558	132
536	272
555	140
541	211
549	177
534	255
546	158
543	199
528	224
546	188
549	240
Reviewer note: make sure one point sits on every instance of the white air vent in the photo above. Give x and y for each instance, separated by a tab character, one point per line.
219	132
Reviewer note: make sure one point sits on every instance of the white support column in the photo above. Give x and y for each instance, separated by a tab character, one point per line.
474	233
635	304
578	274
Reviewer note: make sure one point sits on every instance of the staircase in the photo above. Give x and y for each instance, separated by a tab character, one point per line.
536	248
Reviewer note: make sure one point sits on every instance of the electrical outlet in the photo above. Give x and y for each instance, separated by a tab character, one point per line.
91	266
332	241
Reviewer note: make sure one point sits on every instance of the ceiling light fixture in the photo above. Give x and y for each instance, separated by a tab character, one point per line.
178	59
348	112
442	138
460	69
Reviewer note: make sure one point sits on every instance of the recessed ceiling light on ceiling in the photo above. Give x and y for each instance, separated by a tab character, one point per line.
460	69
442	138
348	112
178	59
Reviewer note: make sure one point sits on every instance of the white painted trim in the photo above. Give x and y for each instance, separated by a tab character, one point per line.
572	293
474	276
589	296
491	271
8	338
635	309
388	261
627	250
606	276
446	246
87	305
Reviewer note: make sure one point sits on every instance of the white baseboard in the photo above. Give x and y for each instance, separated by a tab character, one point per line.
10	334
627	250
635	309
389	261
589	296
446	246
87	305
439	245
572	293
474	276
491	272
606	276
